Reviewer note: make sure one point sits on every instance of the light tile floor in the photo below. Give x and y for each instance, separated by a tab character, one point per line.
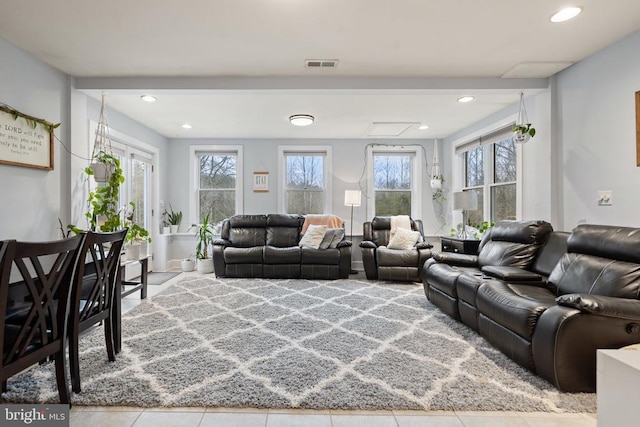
95	416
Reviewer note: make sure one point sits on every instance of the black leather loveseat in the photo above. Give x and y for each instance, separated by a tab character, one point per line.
589	301
267	246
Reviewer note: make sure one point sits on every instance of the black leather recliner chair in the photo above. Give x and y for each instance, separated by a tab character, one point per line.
382	263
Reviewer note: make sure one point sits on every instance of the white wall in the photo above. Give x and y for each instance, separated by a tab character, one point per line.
597	130
32	199
262	154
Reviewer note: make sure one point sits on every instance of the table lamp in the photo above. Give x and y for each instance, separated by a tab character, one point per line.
465	201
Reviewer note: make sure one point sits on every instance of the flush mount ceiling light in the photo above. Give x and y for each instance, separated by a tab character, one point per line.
566	14
301	119
186	126
465	99
423	127
148	98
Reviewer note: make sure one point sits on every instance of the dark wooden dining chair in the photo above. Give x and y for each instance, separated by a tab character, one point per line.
44	270
93	295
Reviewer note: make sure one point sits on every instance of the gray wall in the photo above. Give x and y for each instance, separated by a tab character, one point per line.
33	199
262	154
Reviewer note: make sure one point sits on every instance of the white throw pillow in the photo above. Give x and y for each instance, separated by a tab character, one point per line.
313	237
403	239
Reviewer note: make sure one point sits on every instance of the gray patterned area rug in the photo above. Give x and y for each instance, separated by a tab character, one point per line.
345	344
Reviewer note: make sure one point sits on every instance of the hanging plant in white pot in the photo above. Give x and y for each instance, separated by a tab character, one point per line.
522	130
102	165
436	176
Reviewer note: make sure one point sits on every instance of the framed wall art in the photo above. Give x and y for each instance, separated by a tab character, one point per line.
261	182
24	140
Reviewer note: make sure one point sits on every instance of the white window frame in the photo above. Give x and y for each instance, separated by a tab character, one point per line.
327	171
194	173
417	175
459	168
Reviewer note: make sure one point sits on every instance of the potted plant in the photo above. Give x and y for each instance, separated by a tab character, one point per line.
522	130
136	235
204	234
173	218
436	182
103	213
187	264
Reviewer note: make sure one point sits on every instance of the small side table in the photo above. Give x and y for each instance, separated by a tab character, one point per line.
124	288
461	246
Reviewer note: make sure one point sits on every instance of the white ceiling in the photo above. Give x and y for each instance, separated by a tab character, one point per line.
237	68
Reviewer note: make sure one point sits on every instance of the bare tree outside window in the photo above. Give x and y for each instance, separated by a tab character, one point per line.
500	184
503	192
392	184
140	171
217	192
305	184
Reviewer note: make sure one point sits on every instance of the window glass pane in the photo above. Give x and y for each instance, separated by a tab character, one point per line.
305	202
139	196
393	203
305	184
504	155
475	217
217	194
503	202
217	171
392	172
474	167
219	204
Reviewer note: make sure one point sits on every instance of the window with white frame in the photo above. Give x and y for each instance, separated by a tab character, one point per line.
490	169
305	178
395	181
218	184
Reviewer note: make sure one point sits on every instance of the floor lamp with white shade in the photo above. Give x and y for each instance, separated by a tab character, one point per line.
352	198
465	201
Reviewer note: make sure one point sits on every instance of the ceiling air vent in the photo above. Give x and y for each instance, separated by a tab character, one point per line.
321	63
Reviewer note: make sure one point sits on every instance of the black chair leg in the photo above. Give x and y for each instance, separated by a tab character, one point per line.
108	339
61	378
74	362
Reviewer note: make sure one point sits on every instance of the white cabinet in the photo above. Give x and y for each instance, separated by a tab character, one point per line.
618	387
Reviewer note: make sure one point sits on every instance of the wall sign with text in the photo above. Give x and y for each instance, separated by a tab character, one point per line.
25	140
261	182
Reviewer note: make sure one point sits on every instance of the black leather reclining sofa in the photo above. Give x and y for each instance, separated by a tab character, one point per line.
552	324
267	246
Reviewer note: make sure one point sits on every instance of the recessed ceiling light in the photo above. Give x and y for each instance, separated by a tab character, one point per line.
423	127
465	99
186	126
566	14
301	119
148	98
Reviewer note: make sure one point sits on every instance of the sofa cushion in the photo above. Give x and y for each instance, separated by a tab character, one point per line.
606	241
397	257
275	255
313	237
337	238
515	307
251	255
320	256
283	230
588	274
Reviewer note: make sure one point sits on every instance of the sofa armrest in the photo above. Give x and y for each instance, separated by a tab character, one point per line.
511	274
451	258
368	244
423	245
620	308
344	244
221	242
